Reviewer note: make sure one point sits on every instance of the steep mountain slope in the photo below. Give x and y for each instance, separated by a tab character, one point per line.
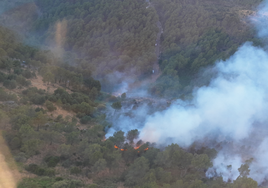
196	34
122	40
107	35
101	38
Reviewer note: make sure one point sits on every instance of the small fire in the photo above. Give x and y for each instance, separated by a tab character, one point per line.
137	147
116	147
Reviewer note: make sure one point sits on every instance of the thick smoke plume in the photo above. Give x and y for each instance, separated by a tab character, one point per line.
228	106
231	110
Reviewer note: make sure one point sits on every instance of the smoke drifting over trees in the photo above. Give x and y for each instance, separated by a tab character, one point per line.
231	110
213	137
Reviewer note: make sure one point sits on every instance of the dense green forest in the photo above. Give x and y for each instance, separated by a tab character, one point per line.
72	150
104	36
107	37
196	35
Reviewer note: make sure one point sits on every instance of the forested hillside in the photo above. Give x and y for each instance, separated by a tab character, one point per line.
71	150
106	36
53	110
196	34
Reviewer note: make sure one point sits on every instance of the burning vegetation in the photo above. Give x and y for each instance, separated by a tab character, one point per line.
123	144
136	148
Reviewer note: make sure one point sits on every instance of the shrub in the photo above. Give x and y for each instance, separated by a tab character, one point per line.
53	98
80	115
124	96
11	77
49	172
26	184
67	163
58	178
117	105
50	106
40	171
18	71
67	184
15	143
35	169
85	119
31	147
22	81
38	99
93	186
3	77
75	183
39	109
64	151
99	165
83	108
67	107
59	118
20	157
61	184
4	96
24	100
10	84
52	161
75	170
28	74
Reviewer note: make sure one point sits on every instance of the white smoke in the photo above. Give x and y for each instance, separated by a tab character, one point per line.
222	167
261	20
229	105
232	108
126	123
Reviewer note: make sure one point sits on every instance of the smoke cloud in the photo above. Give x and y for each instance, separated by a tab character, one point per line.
231	110
228	106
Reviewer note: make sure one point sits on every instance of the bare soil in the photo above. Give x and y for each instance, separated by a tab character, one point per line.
39	84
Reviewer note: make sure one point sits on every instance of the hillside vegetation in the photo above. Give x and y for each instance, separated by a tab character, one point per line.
116	40
92	40
196	34
105	35
72	151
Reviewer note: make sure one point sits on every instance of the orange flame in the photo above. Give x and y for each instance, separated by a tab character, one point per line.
137	147
116	147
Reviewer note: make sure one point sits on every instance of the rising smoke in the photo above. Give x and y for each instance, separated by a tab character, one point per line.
231	110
